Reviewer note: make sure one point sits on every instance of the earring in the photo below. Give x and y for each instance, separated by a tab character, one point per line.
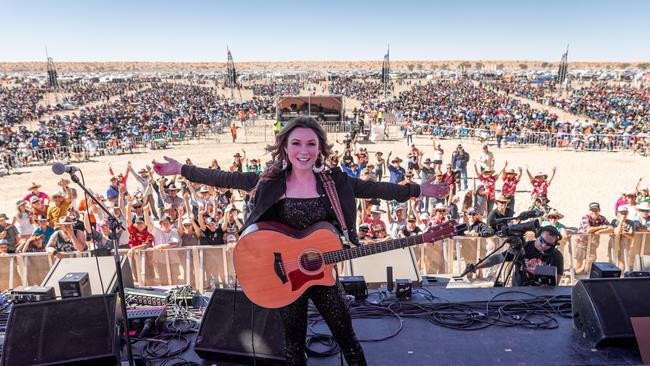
318	166
284	164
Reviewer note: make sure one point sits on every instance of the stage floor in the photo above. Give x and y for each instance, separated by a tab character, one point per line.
423	343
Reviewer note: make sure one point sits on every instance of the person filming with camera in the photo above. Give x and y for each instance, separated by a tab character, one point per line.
539	252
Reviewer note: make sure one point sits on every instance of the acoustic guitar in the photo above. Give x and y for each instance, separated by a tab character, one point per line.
275	264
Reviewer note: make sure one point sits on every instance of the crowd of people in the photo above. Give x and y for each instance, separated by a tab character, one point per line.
165	213
619	109
156	109
19	103
364	90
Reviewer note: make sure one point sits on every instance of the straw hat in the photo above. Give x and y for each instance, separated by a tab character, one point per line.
556	213
34	186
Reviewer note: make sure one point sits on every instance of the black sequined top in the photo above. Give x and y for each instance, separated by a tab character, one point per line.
301	213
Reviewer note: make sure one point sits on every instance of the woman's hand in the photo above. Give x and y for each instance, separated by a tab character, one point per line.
171	167
431	189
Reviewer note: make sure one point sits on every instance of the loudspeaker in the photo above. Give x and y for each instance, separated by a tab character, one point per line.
604	270
602	308
87	264
226	332
78	330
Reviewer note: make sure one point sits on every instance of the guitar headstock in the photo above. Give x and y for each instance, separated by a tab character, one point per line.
443	231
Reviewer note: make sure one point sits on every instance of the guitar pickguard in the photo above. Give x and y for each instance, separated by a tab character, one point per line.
298	278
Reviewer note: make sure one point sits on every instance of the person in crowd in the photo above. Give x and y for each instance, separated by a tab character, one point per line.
34	191
9	233
475	229
499	212
66	239
459	160
540	182
294	190
411	228
622	245
211	230
380	165
23	220
44	228
643	220
139	235
486	159
488	179
34	244
397	172
60	203
586	245
510	180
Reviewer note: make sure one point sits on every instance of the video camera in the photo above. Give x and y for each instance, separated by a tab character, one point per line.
521	228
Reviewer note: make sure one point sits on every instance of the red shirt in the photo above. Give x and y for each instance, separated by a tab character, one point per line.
539	187
509	187
139	237
373	223
489	183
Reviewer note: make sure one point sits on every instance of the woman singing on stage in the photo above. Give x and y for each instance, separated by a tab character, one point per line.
290	191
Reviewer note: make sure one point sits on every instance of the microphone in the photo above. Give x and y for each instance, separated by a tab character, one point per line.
60	168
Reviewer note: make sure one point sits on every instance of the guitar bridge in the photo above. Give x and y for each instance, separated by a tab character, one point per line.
279	268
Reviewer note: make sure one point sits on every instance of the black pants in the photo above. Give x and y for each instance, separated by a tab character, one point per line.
331	305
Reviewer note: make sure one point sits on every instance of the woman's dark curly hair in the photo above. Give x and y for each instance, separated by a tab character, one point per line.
278	153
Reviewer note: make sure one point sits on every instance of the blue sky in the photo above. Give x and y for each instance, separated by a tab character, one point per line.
147	30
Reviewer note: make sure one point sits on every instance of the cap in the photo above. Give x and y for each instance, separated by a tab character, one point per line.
424	216
376	209
594	205
440	207
165	218
471	211
21	202
364	227
231	238
551	230
33	199
622	209
42	218
4	216
187	221
139	219
411	218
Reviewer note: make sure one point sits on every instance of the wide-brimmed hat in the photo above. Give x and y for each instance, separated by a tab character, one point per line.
376	209
204	189
65	220
440	207
33	186
556	213
411	218
42	218
237	155
488	170
4	216
21	203
643	206
396	159
502	199
541	174
510	171
427	161
173	187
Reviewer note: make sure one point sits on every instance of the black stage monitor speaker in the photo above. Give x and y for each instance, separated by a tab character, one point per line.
87	264
78	330
226	333
602	308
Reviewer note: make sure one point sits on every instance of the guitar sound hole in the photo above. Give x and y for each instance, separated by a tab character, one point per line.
311	261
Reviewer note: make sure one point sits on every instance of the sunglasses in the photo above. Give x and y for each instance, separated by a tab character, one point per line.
471	214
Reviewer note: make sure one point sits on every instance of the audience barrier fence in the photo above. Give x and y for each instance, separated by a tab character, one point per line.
209	267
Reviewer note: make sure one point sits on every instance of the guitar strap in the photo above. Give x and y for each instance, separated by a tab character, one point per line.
330	189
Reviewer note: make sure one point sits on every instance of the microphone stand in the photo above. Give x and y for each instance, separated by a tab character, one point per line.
114	224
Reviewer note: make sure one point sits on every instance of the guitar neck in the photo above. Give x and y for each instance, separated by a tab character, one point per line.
341	255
